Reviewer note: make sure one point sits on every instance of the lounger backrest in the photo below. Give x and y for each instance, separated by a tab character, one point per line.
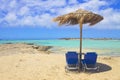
71	58
90	58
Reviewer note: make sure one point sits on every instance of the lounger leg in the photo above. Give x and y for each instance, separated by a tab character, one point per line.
66	70
84	69
98	68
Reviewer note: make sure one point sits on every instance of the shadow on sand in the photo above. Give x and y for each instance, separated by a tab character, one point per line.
102	68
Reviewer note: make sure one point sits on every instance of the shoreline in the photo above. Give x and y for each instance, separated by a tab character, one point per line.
89	39
66	39
32	48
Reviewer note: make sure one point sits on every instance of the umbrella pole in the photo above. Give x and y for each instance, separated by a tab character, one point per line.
80	54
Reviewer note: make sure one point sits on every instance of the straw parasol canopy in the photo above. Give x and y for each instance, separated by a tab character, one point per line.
79	17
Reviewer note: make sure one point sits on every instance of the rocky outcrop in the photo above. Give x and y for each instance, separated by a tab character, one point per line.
42	48
24	48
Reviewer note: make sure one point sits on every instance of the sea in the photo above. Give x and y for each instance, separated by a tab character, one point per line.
112	45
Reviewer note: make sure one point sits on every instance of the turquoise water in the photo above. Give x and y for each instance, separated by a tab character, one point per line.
113	45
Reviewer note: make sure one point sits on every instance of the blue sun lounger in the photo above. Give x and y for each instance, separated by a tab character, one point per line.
89	61
72	61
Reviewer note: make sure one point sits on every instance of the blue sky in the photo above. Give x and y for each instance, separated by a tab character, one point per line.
32	19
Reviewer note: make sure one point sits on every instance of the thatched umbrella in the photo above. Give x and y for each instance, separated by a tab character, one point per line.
79	17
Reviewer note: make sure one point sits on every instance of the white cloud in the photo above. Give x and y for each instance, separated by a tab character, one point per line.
27	21
93	5
12	4
111	19
44	20
73	2
40	13
10	17
24	10
46	4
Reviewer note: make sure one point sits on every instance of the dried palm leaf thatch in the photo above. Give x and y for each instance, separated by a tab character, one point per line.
74	18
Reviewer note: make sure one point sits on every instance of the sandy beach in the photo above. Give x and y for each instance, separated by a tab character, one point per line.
29	62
